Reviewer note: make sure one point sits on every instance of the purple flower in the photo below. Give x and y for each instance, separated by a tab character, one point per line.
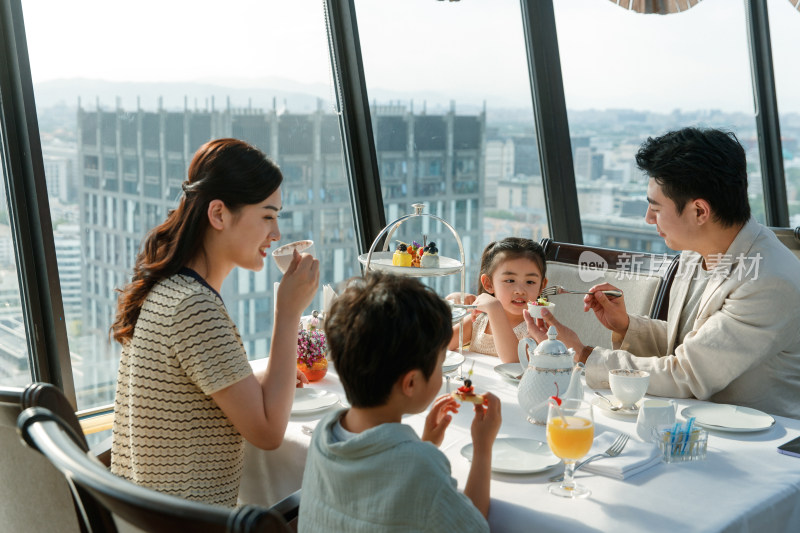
311	346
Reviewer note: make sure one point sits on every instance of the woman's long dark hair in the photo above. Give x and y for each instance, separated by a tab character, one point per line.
224	169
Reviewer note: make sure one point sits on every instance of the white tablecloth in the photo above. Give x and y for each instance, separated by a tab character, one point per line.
743	485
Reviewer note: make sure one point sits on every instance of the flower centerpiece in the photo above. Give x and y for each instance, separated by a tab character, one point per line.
312	347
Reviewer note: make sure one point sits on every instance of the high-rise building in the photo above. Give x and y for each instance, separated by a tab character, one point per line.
132	163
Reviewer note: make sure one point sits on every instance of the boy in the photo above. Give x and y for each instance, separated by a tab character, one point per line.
367	471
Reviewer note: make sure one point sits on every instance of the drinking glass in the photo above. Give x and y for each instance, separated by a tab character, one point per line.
570	432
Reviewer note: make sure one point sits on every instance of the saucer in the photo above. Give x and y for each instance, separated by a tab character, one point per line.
730	418
621	413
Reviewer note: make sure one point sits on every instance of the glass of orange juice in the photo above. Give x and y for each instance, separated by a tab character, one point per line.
570	432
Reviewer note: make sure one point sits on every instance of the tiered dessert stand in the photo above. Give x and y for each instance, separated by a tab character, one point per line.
382	260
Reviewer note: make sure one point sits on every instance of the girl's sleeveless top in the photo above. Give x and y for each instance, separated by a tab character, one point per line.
483	342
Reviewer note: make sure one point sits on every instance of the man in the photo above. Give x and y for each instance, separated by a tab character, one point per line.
732	334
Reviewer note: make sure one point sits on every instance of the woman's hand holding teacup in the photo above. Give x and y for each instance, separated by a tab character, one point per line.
299	284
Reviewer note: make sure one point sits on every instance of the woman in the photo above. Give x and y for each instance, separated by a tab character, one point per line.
186	395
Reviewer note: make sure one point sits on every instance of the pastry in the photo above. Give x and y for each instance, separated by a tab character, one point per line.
466	393
401	256
430	256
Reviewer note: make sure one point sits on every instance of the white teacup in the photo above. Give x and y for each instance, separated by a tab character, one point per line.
536	310
283	255
628	386
652	414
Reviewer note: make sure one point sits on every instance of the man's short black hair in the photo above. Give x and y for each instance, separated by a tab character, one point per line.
379	328
694	163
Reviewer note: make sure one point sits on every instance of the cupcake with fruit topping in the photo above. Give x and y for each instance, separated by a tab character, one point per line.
401	256
430	256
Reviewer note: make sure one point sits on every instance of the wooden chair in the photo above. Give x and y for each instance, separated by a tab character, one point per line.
645	280
145	509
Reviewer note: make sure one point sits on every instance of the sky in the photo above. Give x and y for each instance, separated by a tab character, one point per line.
471	50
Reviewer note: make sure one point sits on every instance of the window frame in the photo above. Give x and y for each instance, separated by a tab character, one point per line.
29	210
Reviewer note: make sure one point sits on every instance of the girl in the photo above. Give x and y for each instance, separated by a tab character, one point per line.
186	395
512	274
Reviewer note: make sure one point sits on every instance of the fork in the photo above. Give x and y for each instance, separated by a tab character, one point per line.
558	289
614	450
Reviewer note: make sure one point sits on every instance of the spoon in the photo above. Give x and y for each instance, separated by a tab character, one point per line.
610	403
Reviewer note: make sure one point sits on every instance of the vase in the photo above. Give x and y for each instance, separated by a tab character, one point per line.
314	372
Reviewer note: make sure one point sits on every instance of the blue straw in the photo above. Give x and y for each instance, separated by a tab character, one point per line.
673	437
688	434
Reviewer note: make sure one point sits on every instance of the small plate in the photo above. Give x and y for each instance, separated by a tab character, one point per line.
310	400
510	371
726	417
383	261
620	413
518	456
452	361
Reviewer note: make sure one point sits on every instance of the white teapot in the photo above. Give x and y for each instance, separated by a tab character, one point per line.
548	372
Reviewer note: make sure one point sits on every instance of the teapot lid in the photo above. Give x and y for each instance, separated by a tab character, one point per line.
551	346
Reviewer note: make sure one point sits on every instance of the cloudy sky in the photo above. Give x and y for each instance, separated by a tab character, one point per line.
471	50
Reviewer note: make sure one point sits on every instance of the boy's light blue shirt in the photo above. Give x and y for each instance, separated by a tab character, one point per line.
383	479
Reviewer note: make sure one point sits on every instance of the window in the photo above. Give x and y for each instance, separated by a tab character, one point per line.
268	85
784	22
444	146
639	79
14	366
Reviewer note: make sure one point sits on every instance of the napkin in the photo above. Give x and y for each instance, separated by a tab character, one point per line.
328	296
636	457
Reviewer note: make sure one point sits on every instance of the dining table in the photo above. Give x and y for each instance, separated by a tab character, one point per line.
742	485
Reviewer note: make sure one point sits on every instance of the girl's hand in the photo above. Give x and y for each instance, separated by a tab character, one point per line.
438	419
454	297
299	284
485	302
610	312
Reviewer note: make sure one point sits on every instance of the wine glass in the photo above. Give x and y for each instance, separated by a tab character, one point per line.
570	432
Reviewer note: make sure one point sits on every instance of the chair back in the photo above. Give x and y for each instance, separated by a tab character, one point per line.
35	495
643	278
789	237
142	508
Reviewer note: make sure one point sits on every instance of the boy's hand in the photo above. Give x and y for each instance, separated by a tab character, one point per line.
486	424
438	419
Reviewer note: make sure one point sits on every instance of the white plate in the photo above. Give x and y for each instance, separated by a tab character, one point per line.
309	400
383	261
452	361
620	413
725	417
518	456
510	371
